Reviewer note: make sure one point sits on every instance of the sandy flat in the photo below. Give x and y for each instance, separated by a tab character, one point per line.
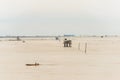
100	62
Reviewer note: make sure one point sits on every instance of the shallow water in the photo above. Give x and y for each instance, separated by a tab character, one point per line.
56	62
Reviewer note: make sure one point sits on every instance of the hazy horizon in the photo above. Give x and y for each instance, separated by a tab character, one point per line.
51	17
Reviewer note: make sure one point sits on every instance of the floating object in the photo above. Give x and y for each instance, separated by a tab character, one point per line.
23	41
36	64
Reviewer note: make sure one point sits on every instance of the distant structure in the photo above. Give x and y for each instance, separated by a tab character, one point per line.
102	36
18	38
68	35
67	43
57	38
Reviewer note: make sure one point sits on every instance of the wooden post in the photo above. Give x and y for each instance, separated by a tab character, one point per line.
79	46
85	48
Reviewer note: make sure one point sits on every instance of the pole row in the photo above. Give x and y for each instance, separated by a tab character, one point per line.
85	48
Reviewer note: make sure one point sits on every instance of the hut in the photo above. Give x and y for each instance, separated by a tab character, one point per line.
67	43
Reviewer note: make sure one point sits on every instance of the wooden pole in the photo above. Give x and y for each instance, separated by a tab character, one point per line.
85	48
79	46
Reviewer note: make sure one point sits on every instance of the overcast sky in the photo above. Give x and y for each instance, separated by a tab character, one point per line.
59	17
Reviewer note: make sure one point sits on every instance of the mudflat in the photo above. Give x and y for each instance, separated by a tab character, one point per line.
101	61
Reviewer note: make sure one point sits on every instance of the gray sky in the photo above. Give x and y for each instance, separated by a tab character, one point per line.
58	17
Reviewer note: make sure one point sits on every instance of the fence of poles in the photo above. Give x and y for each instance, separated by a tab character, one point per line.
85	47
